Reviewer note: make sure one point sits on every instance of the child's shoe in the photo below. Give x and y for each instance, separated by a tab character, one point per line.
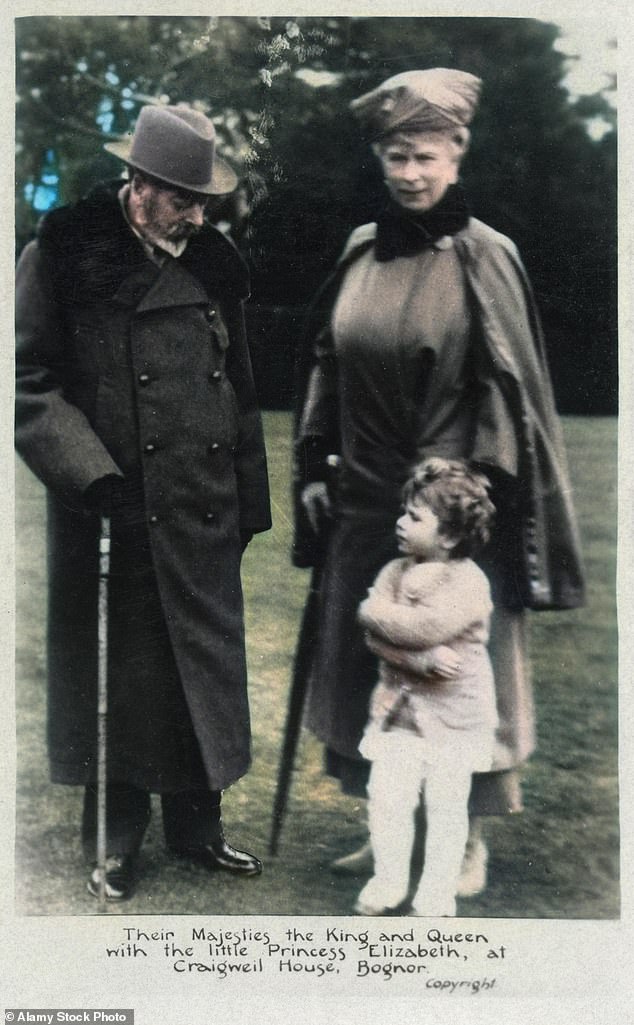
431	909
363	907
377	899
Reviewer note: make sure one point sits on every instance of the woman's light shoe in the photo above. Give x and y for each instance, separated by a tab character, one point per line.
360	862
473	874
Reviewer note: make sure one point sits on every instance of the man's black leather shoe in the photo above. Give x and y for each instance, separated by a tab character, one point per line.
221	855
120	877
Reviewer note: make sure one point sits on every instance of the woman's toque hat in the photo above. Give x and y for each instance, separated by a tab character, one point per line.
418	101
178	146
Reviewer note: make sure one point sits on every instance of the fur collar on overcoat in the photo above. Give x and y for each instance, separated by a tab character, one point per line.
92	251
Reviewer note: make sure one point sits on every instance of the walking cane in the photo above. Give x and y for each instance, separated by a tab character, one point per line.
102	703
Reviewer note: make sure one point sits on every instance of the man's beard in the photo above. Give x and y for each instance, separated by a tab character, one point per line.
174	243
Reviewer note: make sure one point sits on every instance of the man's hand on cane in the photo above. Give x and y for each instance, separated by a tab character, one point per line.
104	494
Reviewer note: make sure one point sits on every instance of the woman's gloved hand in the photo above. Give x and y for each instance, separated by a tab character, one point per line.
316	502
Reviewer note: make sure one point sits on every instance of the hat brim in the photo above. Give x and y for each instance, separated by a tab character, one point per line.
223	177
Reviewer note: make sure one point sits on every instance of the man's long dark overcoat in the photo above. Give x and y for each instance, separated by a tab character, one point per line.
128	368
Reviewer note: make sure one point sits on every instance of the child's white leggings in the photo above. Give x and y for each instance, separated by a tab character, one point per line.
399	773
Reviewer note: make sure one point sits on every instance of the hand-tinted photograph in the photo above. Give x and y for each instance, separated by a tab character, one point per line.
316	422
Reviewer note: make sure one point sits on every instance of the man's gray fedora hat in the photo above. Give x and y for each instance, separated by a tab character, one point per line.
177	145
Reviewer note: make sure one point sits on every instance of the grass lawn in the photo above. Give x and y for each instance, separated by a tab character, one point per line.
559	859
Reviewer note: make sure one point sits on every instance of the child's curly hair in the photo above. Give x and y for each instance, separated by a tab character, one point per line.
458	495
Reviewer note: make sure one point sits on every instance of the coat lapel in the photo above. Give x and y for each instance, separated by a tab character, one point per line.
173	287
95	257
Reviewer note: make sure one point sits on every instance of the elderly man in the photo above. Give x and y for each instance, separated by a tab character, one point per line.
135	398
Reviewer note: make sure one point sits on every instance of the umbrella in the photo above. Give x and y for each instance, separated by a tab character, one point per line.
299	685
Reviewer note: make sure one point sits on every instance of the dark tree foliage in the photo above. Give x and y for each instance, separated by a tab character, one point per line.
533	171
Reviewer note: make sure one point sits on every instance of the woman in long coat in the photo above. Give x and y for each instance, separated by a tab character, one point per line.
133	370
425	341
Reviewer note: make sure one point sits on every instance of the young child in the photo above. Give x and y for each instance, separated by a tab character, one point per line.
433	715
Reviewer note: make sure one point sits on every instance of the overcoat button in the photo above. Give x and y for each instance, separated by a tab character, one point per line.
214	447
149	448
210	313
209	517
216	375
144	379
153	519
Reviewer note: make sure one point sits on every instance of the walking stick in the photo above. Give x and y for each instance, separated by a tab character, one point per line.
102	703
303	657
